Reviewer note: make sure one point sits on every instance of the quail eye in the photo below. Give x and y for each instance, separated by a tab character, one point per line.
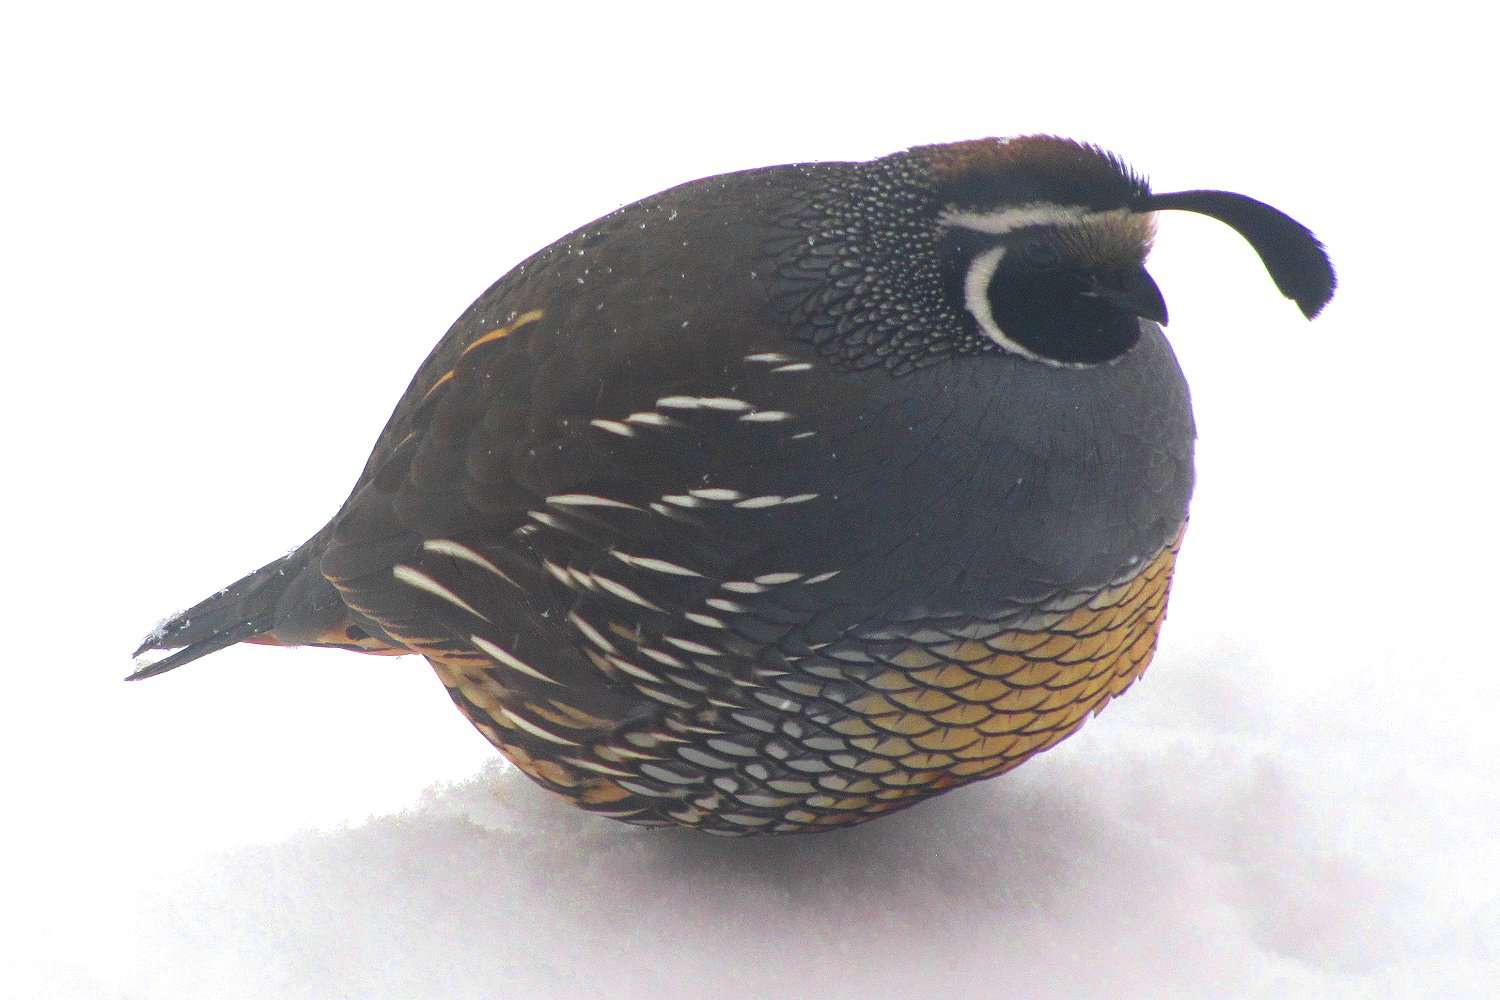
1039	254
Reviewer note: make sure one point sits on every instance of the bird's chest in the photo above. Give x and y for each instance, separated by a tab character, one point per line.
970	489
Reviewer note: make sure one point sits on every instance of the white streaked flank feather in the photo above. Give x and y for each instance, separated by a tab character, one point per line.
416	578
448	547
505	658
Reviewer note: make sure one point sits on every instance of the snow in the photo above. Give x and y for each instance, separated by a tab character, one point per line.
234	243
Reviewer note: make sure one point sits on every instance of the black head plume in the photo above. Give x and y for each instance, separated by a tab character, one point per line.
1295	259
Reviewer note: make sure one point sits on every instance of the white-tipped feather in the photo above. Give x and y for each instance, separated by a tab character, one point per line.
536	730
655	565
506	659
448	547
416	578
587	500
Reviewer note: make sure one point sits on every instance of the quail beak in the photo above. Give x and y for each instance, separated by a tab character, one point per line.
1131	290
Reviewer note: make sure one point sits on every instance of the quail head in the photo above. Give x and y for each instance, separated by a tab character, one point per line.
784	499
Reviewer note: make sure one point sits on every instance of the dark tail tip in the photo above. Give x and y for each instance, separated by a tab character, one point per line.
187	654
244	609
1295	258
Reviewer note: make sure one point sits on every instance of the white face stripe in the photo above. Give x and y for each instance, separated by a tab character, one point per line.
977	301
1038	213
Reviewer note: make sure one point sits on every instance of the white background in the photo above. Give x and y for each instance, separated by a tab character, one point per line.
228	237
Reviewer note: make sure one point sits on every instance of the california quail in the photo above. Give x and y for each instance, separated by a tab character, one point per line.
784	499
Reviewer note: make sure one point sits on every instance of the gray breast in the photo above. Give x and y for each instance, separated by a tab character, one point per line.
1004	478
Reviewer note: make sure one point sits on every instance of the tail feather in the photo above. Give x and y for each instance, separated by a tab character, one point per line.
244	609
187	654
286	602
